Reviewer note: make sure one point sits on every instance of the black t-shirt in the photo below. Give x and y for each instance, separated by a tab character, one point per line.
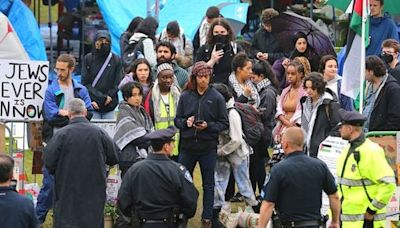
395	72
296	185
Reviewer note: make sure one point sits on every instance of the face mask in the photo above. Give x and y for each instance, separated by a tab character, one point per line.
221	38
104	49
387	58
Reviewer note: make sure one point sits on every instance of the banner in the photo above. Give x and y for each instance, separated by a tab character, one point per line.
22	88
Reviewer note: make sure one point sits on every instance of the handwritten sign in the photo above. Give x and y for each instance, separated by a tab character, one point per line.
22	89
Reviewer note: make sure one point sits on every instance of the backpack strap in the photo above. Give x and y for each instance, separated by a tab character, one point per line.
234	47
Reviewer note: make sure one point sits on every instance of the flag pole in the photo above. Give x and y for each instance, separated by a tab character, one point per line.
363	50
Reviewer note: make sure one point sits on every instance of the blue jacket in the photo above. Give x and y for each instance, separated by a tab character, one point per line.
54	101
16	211
380	29
209	107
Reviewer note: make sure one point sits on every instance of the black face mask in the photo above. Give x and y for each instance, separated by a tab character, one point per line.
387	58
221	38
104	49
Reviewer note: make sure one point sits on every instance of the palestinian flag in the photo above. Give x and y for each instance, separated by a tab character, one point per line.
354	64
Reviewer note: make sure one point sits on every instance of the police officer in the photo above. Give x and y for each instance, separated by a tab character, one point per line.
158	191
295	187
366	181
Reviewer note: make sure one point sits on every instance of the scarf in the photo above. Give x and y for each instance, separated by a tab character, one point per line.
132	123
156	98
239	90
263	83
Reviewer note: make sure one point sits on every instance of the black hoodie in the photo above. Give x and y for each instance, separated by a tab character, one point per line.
108	82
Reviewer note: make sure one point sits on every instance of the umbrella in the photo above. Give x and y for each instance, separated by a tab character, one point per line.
235	14
287	24
390	6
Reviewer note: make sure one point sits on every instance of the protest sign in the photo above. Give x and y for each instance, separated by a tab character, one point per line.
22	89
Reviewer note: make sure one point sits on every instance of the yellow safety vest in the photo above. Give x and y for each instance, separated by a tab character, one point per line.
373	171
167	119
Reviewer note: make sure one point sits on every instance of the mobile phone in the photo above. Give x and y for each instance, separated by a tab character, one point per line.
198	122
219	46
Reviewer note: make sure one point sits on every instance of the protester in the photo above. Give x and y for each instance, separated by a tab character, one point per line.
264	41
298	199
132	124
264	79
166	188
319	115
126	35
162	101
390	55
139	72
183	45
219	50
201	116
381	107
55	113
239	82
144	37
77	155
328	67
102	71
306	64
288	112
166	53
233	156
16	210
381	27
366	192
302	48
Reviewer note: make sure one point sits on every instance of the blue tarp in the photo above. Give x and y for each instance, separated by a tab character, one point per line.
189	13
24	23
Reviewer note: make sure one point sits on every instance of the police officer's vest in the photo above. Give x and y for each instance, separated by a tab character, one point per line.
167	119
372	171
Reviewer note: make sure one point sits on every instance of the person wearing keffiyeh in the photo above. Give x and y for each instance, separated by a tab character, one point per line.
320	114
243	89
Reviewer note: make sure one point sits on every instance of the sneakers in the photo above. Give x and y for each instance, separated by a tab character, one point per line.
237	198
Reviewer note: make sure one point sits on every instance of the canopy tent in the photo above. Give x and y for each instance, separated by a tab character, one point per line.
180	10
25	26
10	45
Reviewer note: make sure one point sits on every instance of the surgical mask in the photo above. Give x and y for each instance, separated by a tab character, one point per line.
221	38
387	58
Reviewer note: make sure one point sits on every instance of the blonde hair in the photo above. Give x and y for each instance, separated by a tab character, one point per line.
306	64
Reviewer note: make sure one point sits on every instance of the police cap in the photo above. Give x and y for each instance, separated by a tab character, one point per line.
351	117
163	135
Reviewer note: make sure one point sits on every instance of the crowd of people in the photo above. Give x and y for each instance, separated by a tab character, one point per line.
181	103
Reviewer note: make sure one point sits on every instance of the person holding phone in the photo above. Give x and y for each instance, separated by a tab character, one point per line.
201	116
219	50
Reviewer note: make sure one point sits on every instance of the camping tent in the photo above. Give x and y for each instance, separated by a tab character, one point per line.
10	45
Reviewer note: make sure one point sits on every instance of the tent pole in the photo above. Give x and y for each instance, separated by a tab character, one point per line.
311	8
334	25
148	5
272	3
51	37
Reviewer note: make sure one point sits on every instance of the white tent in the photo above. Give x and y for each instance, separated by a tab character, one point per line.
10	45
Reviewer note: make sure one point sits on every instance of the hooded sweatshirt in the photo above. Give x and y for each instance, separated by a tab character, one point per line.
380	29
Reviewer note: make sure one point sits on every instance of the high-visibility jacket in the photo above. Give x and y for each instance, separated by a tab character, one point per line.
167	119
372	171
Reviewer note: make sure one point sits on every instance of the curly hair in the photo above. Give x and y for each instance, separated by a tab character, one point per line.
317	82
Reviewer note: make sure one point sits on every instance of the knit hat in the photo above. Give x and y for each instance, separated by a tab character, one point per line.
164	66
201	69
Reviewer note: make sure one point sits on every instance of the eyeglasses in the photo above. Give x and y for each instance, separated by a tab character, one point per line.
59	70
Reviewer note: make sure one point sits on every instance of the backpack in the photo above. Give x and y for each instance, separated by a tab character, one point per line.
252	126
133	51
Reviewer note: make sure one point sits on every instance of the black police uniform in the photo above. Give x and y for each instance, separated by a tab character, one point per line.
295	186
154	187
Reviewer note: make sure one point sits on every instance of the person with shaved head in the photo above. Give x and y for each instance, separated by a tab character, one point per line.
294	187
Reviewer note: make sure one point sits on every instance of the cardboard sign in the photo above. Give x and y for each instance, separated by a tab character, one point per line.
22	88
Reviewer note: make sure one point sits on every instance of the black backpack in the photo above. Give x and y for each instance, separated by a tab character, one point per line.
252	126
133	51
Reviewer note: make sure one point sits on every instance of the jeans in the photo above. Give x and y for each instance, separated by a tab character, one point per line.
241	173
207	167
45	197
104	115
